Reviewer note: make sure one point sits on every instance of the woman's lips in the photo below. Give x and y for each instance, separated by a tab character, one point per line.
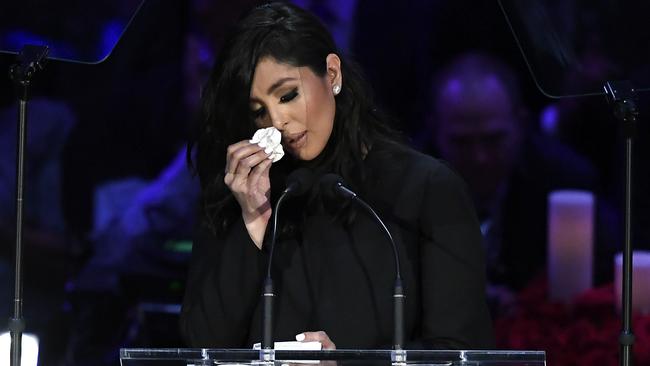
296	141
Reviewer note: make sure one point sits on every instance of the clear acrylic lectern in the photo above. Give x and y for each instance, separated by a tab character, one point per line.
198	356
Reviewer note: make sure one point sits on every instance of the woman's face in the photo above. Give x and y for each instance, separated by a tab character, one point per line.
297	102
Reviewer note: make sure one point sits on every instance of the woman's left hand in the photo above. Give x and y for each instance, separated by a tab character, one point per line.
319	336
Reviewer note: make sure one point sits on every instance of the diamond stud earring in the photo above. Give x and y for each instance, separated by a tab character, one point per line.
336	89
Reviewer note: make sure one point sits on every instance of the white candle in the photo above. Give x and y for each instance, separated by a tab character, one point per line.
640	281
570	243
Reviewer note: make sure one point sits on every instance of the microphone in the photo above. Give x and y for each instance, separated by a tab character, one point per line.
332	185
298	182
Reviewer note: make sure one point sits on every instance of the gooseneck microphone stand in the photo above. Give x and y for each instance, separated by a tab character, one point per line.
31	60
298	182
622	96
268	293
398	289
333	184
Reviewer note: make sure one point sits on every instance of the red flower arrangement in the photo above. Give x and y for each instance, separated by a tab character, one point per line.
583	333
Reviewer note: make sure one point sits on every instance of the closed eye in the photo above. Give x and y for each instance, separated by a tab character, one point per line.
289	96
259	113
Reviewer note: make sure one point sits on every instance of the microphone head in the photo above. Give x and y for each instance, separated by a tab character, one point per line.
300	181
329	185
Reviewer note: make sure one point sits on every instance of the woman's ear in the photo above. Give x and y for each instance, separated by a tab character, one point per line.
334	75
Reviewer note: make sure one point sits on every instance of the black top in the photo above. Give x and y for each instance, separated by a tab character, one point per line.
339	277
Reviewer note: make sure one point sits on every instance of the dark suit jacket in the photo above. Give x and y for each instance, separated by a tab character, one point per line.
339	277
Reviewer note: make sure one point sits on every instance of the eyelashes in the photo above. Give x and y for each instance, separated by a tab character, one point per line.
289	96
261	112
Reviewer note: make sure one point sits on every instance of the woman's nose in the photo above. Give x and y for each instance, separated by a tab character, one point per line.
278	119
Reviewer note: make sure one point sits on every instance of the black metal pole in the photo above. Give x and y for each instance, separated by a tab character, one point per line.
626	338
30	60
622	96
17	324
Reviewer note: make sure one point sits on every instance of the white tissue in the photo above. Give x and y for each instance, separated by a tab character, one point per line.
294	346
269	139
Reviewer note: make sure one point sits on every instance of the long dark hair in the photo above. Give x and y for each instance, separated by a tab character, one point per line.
287	34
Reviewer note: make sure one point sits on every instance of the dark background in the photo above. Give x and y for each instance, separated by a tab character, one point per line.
131	121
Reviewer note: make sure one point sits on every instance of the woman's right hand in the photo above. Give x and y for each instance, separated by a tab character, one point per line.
247	176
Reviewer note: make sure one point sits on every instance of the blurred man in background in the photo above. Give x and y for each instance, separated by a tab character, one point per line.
479	124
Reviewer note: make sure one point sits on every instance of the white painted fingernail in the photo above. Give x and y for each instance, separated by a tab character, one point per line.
300	337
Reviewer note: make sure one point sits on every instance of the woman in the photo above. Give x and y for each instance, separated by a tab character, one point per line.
333	268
